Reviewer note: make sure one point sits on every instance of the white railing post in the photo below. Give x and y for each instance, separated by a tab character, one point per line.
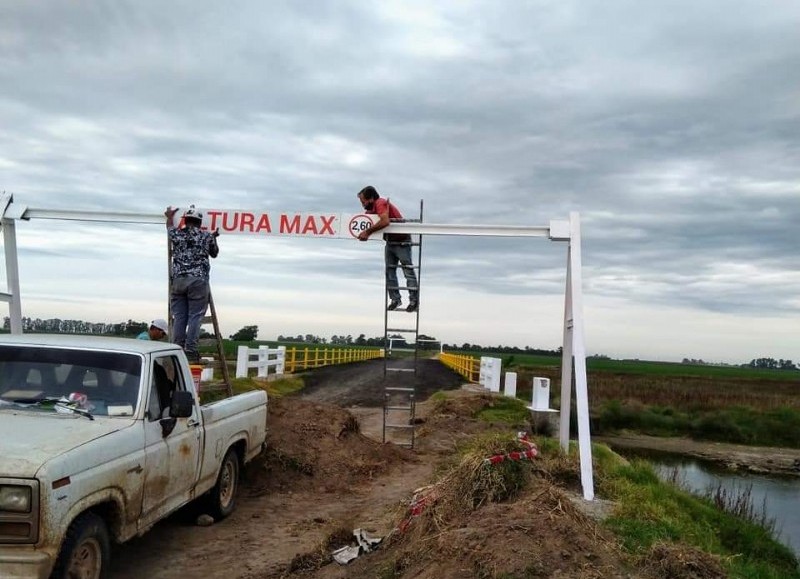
263	361
490	373
279	368
510	389
484	371
540	394
242	359
495	365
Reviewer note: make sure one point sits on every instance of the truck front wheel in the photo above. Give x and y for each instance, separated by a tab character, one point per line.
86	550
222	498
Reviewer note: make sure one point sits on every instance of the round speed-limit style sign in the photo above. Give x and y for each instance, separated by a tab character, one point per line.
359	223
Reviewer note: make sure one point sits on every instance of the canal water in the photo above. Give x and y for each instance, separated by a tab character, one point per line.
777	497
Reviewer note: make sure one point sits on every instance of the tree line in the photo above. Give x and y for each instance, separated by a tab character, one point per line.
59	326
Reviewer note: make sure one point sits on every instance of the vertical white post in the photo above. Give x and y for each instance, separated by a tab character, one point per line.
579	355
540	394
12	275
566	361
280	368
497	369
263	361
242	359
510	389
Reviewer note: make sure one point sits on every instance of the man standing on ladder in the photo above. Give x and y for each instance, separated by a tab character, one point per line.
191	248
398	247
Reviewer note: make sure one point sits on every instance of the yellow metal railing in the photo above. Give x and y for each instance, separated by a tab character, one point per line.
305	358
468	366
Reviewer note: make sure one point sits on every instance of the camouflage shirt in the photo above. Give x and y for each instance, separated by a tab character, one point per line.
191	247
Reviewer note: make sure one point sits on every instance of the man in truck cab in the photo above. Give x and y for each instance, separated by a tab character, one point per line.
191	248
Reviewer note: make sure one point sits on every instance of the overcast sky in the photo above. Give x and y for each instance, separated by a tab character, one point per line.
673	128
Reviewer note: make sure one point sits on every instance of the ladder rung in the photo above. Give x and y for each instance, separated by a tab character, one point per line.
411	331
207	320
400	425
398	408
400	369
398	389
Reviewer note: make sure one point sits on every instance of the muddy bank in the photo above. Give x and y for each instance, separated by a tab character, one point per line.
756	459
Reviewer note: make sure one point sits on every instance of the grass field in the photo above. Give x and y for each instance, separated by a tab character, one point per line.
646	367
719	403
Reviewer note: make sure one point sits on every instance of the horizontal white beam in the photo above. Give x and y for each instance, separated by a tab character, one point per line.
477	230
101	216
557	230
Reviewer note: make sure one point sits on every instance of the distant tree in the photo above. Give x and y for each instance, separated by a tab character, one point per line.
764	363
246	334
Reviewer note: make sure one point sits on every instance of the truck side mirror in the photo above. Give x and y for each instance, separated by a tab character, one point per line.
182	404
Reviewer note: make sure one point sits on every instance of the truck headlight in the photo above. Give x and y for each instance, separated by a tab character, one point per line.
16	499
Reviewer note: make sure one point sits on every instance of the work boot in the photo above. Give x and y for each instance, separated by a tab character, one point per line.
393	305
412	307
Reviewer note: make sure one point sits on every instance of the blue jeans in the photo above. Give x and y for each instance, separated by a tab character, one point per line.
189	301
400	253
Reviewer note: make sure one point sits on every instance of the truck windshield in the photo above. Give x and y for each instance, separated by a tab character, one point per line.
55	379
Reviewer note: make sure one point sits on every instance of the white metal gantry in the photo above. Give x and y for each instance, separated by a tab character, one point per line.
569	231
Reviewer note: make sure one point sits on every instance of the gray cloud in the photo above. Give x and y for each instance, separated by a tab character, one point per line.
673	129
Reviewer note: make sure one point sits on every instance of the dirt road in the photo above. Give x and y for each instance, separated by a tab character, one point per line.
280	514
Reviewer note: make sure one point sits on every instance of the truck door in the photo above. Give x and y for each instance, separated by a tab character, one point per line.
172	461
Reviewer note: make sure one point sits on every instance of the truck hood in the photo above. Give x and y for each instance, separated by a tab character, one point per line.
28	440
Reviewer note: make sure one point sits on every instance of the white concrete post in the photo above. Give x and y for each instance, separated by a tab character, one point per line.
483	374
510	389
242	360
263	361
490	373
497	369
574	351
540	395
279	369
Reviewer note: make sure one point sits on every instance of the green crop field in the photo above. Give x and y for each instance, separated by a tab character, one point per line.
645	367
721	403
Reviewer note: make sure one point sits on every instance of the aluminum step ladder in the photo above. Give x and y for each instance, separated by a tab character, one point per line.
400	362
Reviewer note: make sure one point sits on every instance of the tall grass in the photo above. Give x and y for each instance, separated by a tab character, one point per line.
738	425
650	512
745	410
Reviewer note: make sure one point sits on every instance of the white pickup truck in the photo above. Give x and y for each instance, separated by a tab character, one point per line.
100	438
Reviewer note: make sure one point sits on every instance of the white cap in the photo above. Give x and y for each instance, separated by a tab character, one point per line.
160	324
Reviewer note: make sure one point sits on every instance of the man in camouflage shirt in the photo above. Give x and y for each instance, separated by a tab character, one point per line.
191	248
